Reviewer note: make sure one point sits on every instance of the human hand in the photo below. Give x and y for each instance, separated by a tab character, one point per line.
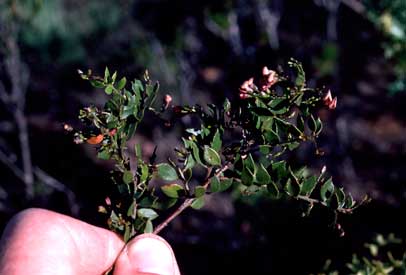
41	242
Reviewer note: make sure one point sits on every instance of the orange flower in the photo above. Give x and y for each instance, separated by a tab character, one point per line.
95	139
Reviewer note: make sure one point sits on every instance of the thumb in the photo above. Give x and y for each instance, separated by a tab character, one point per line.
147	254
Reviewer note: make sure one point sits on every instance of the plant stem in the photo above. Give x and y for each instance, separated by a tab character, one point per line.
188	202
179	210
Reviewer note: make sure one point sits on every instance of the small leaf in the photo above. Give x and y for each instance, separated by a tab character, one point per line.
149	228
327	190
293	145
106	74
250	164
349	202
167	172
199	191
172	190
127	233
104	154
97	83
109	89
247	178
292	188
273	190
190	162
216	143
262	176
214	184
197	203
225	184
308	186
340	197
211	156
147	213
128	177
121	83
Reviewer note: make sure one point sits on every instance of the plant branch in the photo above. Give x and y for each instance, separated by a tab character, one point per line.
188	202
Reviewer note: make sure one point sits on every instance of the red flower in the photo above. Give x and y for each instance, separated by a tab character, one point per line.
247	86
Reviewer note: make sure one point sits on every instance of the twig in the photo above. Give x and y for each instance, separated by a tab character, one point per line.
188	202
52	182
11	165
355	5
314	201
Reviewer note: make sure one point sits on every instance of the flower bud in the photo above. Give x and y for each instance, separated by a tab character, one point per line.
95	139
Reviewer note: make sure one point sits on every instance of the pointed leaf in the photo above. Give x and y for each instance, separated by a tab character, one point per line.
149	228
216	143
211	156
327	190
147	213
121	83
262	176
308	186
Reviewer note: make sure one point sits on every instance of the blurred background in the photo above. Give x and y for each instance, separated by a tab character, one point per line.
201	51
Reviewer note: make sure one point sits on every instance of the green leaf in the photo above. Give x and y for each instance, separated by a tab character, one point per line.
308	186
190	162
144	173
247	177
216	143
106	74
349	202
172	190
147	213
292	188
97	83
121	83
225	184
214	184
211	156
293	145
197	203
340	196
149	228
327	190
249	163
273	190
109	89
199	191
104	154
127	233
262	176
279	169
128	177
167	172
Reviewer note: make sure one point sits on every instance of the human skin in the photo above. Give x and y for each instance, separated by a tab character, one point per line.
42	242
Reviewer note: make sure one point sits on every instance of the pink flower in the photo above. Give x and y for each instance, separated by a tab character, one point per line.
247	86
167	100
329	101
269	78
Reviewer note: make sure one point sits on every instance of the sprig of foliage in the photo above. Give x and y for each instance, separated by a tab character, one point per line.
242	143
380	260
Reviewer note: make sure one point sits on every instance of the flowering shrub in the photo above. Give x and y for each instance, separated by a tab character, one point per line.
242	143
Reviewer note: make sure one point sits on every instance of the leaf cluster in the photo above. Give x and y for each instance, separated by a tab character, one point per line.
242	144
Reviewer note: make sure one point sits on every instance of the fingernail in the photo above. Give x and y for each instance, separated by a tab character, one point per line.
150	254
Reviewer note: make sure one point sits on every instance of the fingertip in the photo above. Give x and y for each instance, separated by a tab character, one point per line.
147	254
